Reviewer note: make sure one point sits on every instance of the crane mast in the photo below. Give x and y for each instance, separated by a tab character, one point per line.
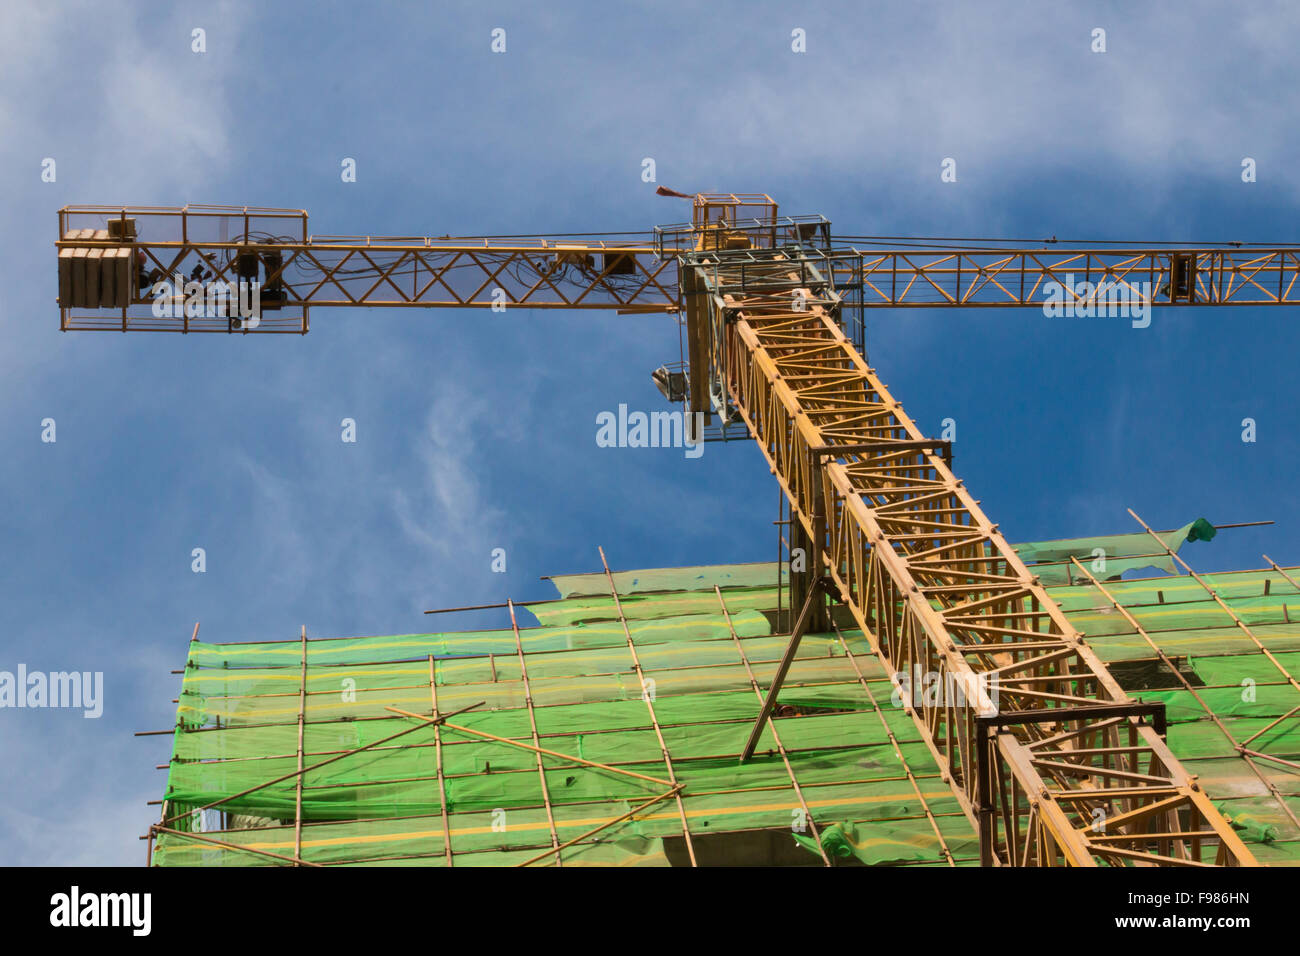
1051	760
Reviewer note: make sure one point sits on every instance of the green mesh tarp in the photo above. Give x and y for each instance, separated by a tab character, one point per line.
883	843
376	800
1239	695
698	578
848	746
1109	556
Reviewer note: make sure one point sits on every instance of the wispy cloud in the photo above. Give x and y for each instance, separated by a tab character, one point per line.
449	514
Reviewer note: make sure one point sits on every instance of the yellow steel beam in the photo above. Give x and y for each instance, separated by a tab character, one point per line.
1079	279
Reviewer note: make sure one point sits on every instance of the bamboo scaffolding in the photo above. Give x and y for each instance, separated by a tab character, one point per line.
541	750
1223	604
649	702
316	766
532	722
722	675
1187	685
893	742
604	826
158	828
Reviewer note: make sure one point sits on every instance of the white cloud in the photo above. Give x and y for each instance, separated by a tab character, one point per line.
451	516
120	101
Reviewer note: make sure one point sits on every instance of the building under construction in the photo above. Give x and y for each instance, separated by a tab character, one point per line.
610	732
903	686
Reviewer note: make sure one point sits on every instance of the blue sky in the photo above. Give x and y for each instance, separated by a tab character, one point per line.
477	430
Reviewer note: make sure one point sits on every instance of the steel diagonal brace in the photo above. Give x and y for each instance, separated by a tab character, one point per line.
815	593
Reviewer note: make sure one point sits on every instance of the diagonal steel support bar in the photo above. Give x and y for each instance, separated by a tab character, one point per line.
815	594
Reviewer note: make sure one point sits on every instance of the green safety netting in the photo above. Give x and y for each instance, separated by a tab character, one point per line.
892	842
1183	616
1255	830
1109	556
848	746
698	578
239	728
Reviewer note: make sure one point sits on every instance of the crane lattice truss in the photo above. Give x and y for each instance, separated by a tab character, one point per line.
1047	755
1050	758
110	255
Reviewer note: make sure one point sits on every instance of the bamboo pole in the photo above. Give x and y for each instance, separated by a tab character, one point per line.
442	781
302	717
515	743
230	846
1187	685
604	826
537	742
315	766
907	769
776	737
1223	604
645	696
486	607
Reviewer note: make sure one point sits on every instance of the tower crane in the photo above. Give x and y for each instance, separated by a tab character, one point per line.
1050	759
